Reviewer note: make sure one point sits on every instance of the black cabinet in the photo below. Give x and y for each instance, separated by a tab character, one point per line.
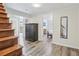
31	32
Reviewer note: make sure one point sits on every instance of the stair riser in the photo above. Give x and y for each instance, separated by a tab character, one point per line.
6	33
2	10
4	21
7	43
17	52
5	26
1	6
3	15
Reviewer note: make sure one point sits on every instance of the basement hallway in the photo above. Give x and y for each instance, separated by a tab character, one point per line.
30	29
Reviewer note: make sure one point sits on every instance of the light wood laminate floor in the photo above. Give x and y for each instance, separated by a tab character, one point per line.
38	48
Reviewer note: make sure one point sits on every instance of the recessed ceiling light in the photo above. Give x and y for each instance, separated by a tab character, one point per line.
36	5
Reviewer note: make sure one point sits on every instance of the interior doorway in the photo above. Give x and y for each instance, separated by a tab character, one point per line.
48	27
18	23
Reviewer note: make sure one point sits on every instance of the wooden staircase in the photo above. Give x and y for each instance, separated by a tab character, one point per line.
8	42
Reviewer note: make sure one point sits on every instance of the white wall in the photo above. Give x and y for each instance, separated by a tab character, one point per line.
73	27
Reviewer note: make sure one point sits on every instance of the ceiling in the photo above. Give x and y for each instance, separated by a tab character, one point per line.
45	7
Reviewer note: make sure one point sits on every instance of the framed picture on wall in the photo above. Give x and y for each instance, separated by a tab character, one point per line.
64	27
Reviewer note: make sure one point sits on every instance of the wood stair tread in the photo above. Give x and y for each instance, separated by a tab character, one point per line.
2	12
9	50
7	38
8	42
2	9
4	17
6	29
5	23
1	5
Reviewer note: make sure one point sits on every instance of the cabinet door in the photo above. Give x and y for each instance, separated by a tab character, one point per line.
31	32
36	31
